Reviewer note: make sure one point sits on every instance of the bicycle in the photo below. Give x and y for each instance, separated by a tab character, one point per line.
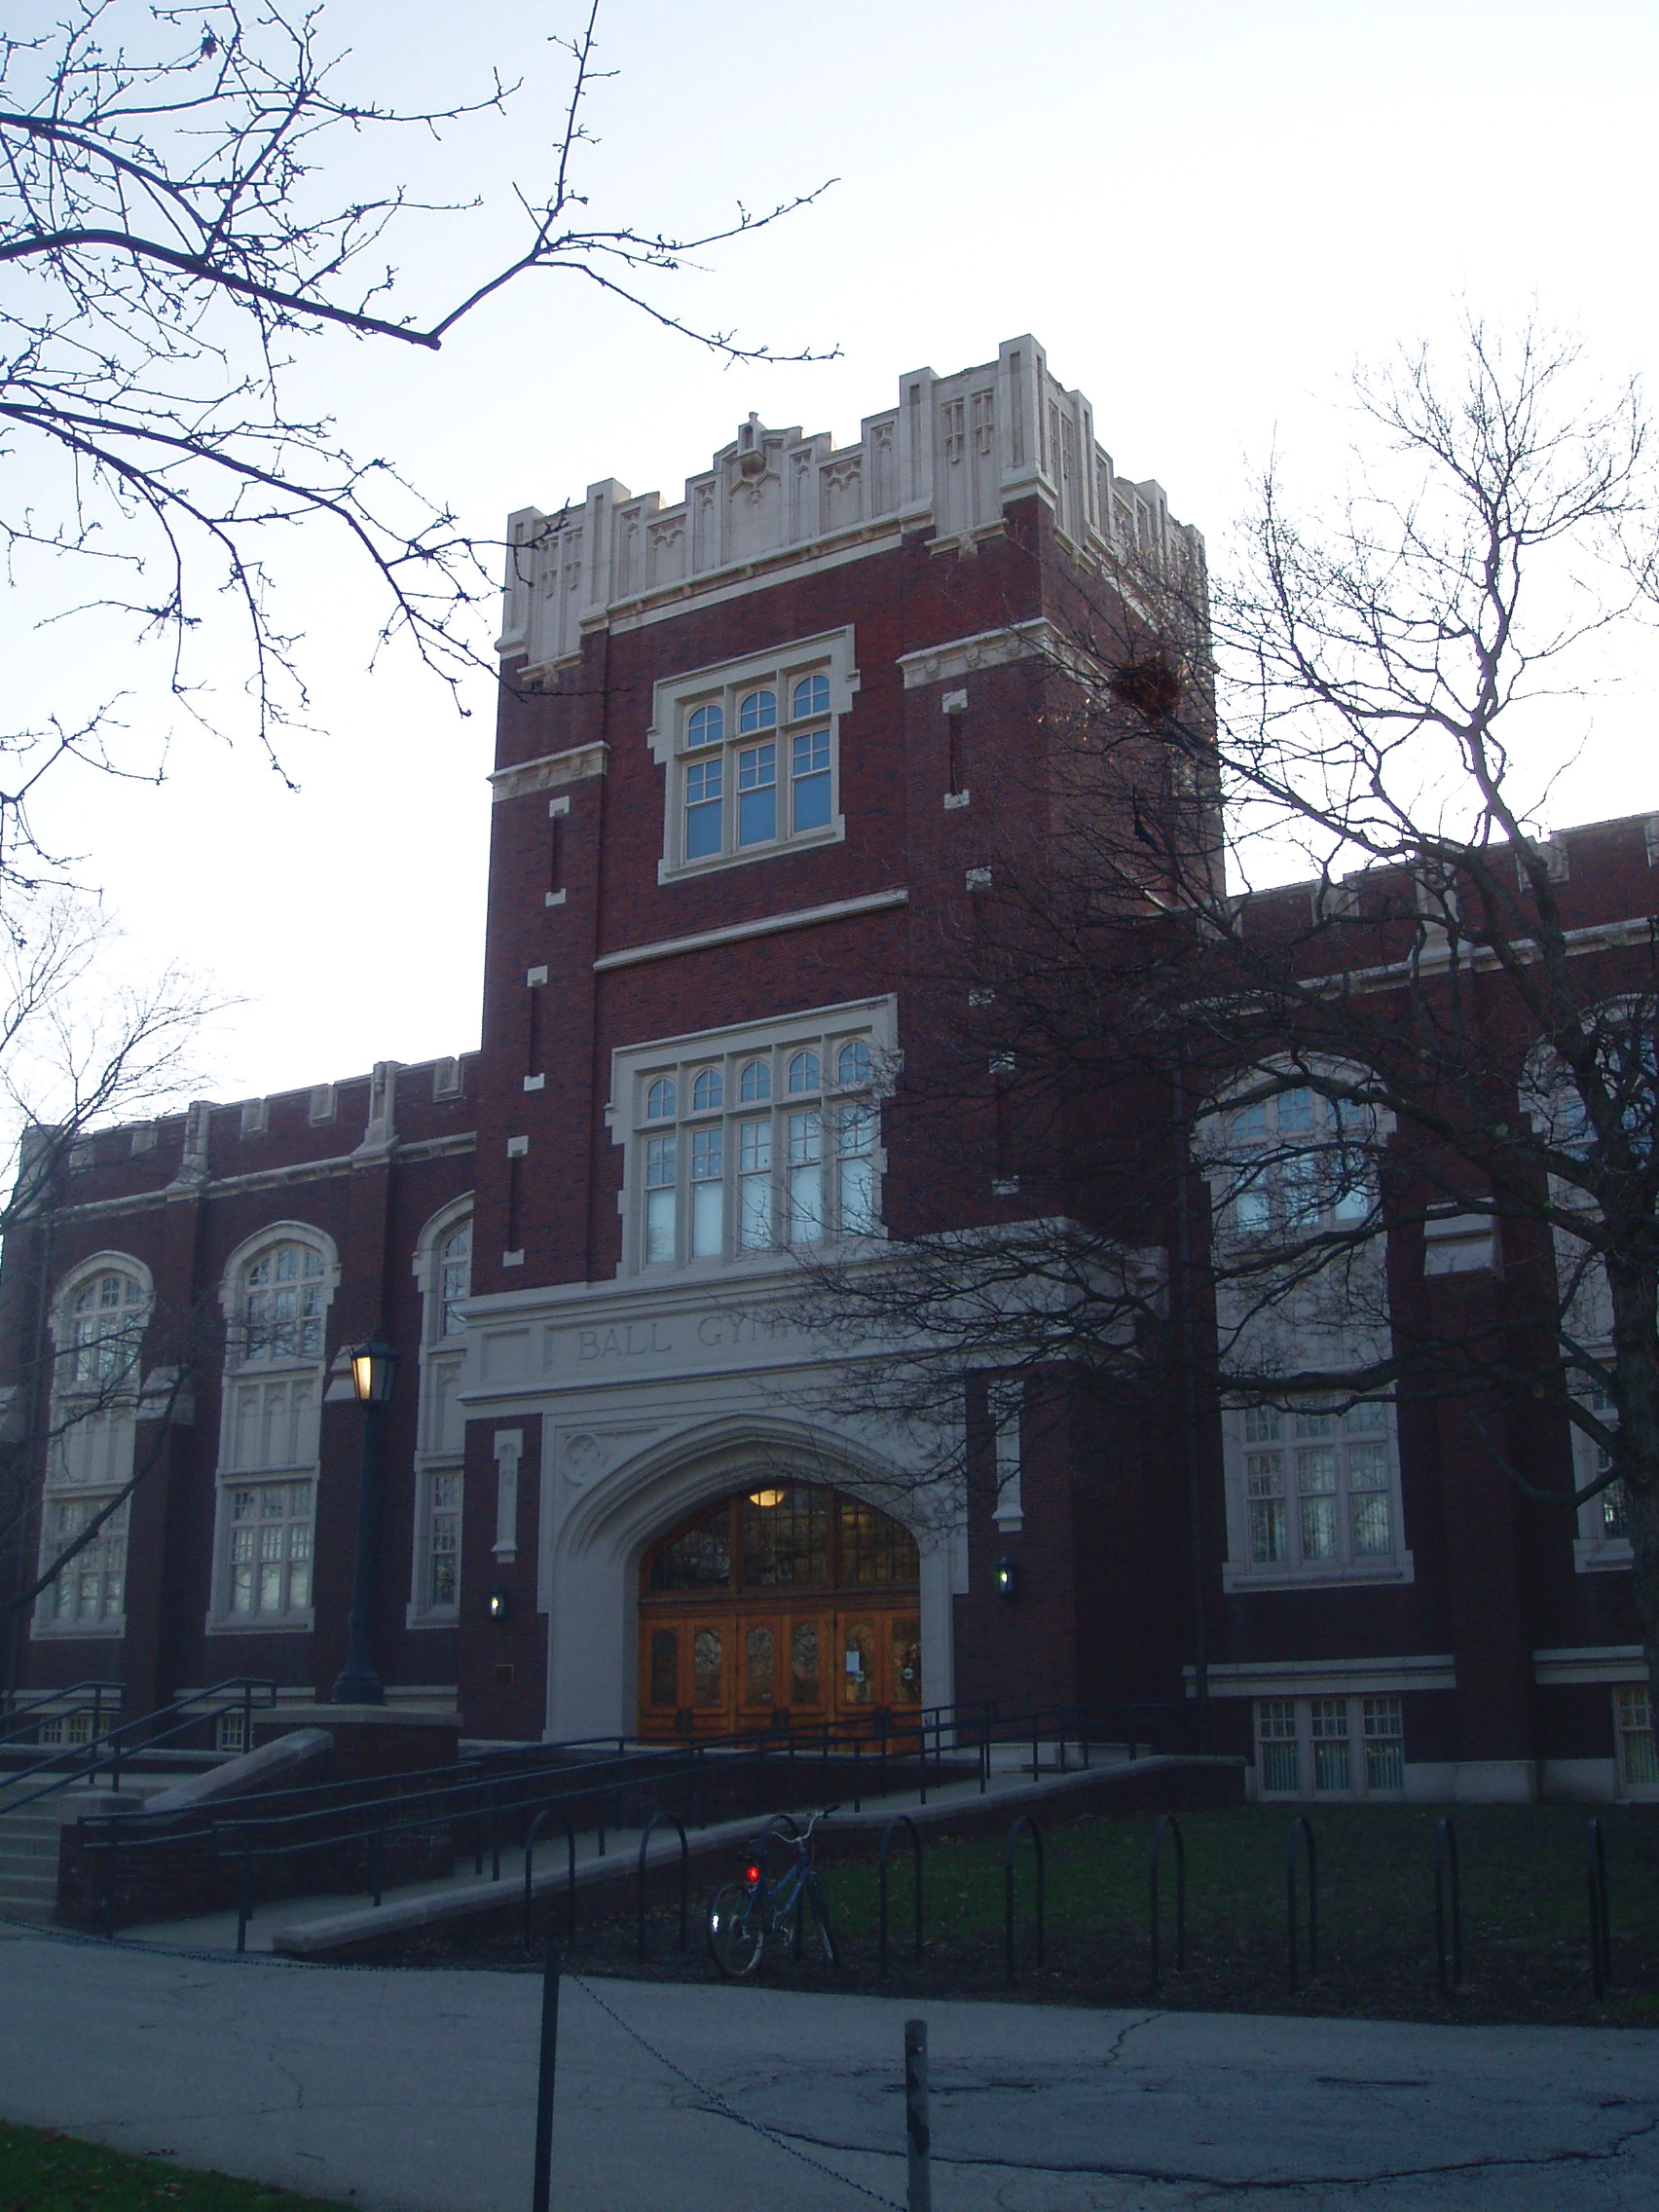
743	1913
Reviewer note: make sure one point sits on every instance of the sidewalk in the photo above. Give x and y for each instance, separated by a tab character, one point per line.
414	2092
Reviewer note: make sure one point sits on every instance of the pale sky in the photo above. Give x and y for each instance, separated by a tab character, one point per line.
1205	210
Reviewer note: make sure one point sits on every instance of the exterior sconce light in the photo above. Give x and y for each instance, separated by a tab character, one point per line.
500	1606
1008	1580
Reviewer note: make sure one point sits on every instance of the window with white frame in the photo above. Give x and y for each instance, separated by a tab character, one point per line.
1330	1747
750	1150
1314	1491
1633	1720
98	1325
1604	1523
753	1140
1293	1163
443	1267
752	752
277	1296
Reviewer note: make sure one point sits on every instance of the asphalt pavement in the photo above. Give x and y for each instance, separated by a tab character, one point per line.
408	2091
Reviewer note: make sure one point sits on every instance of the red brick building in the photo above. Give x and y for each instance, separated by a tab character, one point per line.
754	748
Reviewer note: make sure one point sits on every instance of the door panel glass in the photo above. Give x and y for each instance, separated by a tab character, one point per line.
707	1668
805	1683
858	1663
906	1661
665	1666
759	1648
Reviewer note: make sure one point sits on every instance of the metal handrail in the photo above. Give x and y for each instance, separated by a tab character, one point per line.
34	1712
108	1750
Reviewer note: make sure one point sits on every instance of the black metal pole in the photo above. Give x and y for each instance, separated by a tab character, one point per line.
361	1683
918	2196
1190	1410
542	2189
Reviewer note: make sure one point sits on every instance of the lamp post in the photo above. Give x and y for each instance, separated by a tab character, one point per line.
374	1371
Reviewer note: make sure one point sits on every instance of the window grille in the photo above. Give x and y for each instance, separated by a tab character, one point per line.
1639	1759
742	1156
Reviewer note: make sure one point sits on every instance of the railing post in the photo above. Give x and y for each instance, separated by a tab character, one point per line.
1168	1822
1601	1934
244	1891
1303	1828
1446	1852
918	2195
985	1752
651	1826
899	1820
541	2187
1026	1822
109	1890
857	1774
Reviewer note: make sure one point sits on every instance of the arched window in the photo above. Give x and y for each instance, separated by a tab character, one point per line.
455	1280
1294	1162
852	1065
99	1324
278	1290
443	1269
752	1161
735	788
107	1324
281	1305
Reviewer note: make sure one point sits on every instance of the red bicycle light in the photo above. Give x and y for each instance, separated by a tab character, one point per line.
752	1873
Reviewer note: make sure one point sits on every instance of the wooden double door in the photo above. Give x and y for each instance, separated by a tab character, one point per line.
712	1669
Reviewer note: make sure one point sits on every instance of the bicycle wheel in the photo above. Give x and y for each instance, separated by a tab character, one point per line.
737	1929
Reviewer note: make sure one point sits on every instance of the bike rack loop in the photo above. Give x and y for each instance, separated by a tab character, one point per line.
550	1813
903	1820
1009	1848
655	1822
1446	1856
1167	1822
1302	1826
1601	1934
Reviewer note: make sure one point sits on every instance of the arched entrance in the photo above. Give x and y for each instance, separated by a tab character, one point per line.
786	1601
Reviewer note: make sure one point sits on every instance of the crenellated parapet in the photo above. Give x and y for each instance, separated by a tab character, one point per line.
953	452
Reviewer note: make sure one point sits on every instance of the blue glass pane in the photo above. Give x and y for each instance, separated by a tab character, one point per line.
757	816
812	801
702	831
759	711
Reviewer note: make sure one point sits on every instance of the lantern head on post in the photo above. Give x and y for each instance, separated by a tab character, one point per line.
374	1371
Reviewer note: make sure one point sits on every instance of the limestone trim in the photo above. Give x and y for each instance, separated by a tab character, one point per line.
1591	1663
984	648
766	925
272	1178
1330	1678
547	772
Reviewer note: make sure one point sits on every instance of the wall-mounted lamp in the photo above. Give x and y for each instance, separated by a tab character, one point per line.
1008	1580
500	1606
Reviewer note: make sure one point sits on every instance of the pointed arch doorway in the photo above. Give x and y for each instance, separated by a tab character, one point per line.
785	1603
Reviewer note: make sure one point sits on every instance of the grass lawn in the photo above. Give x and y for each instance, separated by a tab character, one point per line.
44	2171
1526	1946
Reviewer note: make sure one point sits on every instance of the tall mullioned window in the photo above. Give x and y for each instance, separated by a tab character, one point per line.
99	1323
278	1301
1318	1484
755	766
444	1268
752	1151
